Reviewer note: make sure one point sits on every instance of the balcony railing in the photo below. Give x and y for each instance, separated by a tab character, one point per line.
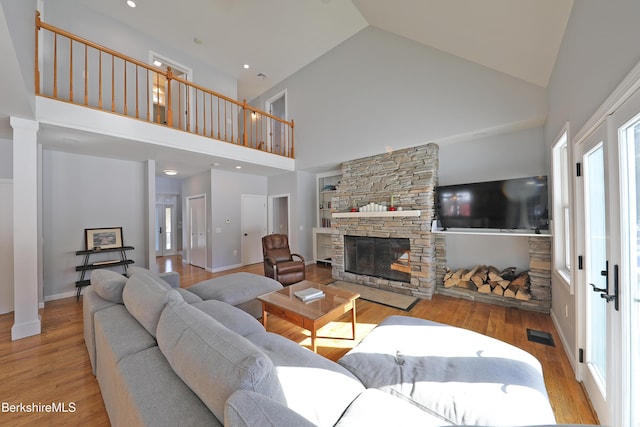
75	70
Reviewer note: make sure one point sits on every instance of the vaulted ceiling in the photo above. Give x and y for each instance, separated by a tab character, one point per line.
278	37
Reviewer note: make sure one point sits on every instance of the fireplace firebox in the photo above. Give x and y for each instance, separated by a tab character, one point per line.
387	258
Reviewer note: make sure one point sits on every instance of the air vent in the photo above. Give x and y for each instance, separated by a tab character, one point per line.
540	337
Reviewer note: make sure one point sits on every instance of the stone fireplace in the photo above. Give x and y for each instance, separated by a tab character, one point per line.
408	177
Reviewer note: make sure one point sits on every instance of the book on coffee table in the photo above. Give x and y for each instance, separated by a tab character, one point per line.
309	294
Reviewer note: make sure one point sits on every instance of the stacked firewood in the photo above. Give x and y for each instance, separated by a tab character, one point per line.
490	280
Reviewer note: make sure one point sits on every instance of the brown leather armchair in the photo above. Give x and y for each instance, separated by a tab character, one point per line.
278	260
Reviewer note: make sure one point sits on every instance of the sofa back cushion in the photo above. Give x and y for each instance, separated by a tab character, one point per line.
145	298
108	284
212	360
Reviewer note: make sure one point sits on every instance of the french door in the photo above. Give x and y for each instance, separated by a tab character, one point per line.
608	291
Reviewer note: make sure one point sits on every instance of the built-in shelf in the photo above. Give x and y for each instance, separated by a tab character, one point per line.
375	214
492	232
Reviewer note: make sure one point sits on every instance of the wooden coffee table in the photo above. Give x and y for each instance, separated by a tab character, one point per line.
310	315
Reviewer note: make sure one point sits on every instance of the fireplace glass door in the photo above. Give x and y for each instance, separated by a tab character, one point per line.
387	258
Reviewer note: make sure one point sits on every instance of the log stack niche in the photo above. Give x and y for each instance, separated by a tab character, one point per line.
489	280
528	288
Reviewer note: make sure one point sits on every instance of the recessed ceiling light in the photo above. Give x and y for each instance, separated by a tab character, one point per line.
131	3
245	66
238	167
157	63
170	172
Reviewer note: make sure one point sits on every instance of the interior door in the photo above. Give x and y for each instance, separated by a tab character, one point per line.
197	231
254	226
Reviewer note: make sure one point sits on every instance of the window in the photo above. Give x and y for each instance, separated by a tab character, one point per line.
561	207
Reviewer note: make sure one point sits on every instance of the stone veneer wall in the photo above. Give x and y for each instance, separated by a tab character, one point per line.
411	176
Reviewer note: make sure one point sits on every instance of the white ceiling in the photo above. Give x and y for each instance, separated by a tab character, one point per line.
278	37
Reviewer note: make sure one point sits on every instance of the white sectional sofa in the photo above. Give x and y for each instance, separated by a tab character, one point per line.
165	357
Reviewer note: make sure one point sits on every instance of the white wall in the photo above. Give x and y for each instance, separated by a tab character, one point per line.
227	188
377	91
87	192
6	245
599	49
6	159
18	18
504	156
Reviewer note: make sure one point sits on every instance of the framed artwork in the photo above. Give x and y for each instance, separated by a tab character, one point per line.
103	238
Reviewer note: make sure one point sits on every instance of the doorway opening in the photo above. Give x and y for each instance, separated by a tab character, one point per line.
279	214
159	91
276	134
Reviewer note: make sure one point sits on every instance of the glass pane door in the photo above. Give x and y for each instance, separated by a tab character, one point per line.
629	138
594	244
596	259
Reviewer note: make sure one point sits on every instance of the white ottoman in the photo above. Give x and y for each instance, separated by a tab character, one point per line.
459	375
238	289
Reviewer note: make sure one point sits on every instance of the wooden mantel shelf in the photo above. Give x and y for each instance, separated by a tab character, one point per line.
375	214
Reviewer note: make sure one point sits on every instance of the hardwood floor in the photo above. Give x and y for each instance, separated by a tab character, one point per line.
54	366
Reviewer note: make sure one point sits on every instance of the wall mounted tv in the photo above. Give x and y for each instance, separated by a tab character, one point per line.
512	204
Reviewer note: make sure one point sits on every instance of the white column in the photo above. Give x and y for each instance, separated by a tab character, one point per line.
150	255
25	228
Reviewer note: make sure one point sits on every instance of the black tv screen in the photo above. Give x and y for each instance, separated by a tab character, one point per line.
514	204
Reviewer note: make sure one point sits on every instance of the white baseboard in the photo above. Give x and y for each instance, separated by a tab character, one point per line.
59	296
568	351
27	329
225	268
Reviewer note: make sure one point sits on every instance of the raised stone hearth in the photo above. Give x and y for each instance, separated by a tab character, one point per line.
410	176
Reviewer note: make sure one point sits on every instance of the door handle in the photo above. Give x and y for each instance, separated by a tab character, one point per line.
608	297
604	293
604	273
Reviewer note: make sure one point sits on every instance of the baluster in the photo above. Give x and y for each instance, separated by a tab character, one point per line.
169	111
71	70
113	84
137	97
36	62
86	77
100	79
125	87
55	65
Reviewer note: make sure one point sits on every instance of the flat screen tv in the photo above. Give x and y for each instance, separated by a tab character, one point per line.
511	204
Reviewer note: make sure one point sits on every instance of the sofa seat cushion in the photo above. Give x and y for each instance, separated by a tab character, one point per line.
315	387
145	298
376	408
231	317
458	375
211	359
154	395
235	288
108	284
